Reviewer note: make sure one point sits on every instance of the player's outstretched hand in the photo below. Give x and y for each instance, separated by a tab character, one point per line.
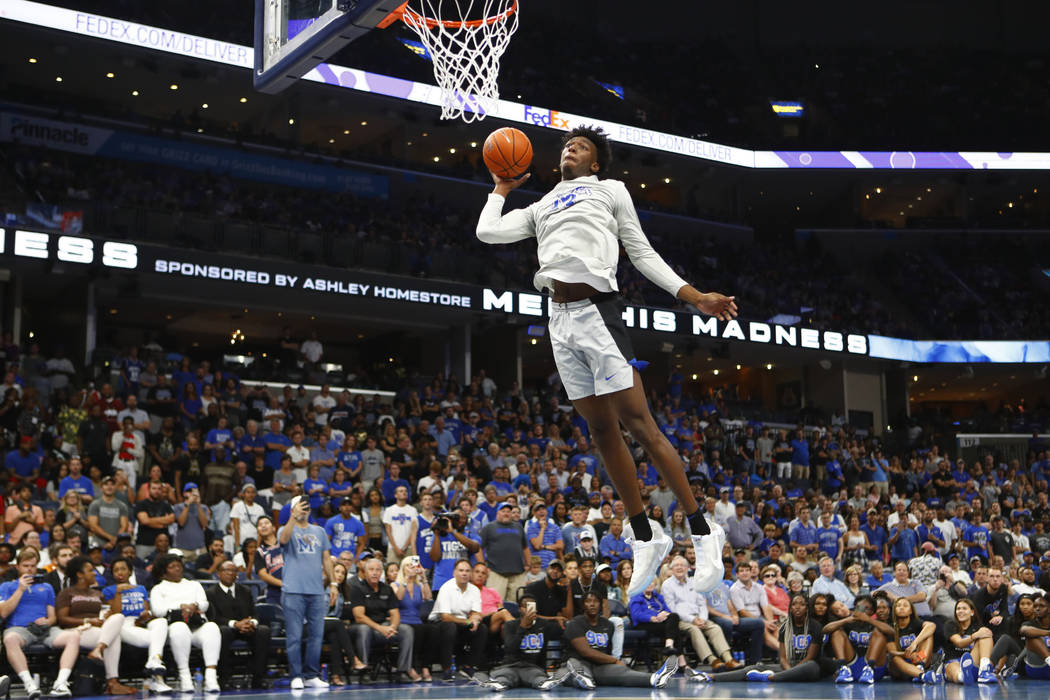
505	185
718	305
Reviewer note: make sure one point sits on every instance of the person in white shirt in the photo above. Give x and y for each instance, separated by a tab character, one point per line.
311	349
947	528
401	522
457	612
578	227
707	638
900	512
322	403
183	603
724	508
750	600
244	514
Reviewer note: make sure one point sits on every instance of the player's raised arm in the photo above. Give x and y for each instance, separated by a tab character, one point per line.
496	227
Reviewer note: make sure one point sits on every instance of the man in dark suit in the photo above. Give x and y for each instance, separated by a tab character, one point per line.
232	608
57	577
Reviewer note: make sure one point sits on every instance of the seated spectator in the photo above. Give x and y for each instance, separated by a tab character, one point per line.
78	607
377	619
589	639
411	589
140	628
28	609
827	583
525	657
493	613
232	608
650	614
752	608
457	612
184	604
858	638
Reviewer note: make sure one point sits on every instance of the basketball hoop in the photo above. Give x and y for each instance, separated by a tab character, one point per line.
465	45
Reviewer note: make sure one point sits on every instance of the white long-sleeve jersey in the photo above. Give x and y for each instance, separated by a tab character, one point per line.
577	226
167	596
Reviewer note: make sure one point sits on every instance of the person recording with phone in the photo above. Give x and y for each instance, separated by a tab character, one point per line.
307	559
450	545
525	659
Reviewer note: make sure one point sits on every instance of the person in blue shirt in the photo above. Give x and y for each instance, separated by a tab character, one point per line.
800	456
500	482
903	541
251	443
391	482
425	534
537	438
315	487
975	538
277	443
878	576
446	439
828	536
583	455
345	531
28	609
349	459
834	478
804	532
450	545
76	481
613	547
544	535
132	600
491	504
24	462
220	441
876	532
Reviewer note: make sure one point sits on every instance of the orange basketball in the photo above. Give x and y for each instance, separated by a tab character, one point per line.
507	152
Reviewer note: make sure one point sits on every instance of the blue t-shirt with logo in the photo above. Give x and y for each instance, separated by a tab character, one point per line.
33	604
133	601
344	534
316	497
828	541
452	550
304	555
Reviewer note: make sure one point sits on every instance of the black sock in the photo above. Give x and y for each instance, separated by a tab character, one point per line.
698	523
642	530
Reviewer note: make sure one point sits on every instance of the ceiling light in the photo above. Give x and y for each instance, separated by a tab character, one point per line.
915	378
642	185
110	75
173	86
878	190
134	93
667	181
473	144
200	130
204	106
331	140
738	367
409	143
32	60
436	159
452	150
58	79
244	99
716	373
533	341
346	132
291	121
769	366
694	377
364	123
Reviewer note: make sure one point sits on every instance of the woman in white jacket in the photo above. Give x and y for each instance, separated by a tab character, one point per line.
184	604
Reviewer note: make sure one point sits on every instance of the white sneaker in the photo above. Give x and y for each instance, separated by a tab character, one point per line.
297	684
33	691
61	690
709	567
316	683
647	559
212	686
157	685
155	665
186	684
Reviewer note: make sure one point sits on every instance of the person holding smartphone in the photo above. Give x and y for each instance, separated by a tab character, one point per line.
525	659
307	559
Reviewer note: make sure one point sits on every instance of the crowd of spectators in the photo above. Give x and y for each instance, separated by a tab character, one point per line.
425	236
161	491
719	91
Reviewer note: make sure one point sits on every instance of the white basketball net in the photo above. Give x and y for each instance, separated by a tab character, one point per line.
466	52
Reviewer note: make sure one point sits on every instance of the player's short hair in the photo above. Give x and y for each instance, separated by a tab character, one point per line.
600	139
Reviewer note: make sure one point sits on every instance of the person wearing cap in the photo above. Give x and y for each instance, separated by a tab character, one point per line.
505	549
924	567
307	560
108	516
191	520
1043	577
244	514
553	601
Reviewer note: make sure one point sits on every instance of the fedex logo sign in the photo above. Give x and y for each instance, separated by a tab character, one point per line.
546	117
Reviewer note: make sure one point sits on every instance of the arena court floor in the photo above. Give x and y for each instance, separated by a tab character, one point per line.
678	688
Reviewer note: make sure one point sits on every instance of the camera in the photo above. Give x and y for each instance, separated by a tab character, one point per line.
39	578
443	522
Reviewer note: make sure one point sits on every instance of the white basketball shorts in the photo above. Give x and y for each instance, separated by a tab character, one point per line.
591	346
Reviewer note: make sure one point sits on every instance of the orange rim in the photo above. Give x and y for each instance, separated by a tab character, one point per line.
410	16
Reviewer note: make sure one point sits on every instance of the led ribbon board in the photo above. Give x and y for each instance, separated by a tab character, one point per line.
191	46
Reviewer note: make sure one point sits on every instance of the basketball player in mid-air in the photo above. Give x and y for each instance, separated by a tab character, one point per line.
578	227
